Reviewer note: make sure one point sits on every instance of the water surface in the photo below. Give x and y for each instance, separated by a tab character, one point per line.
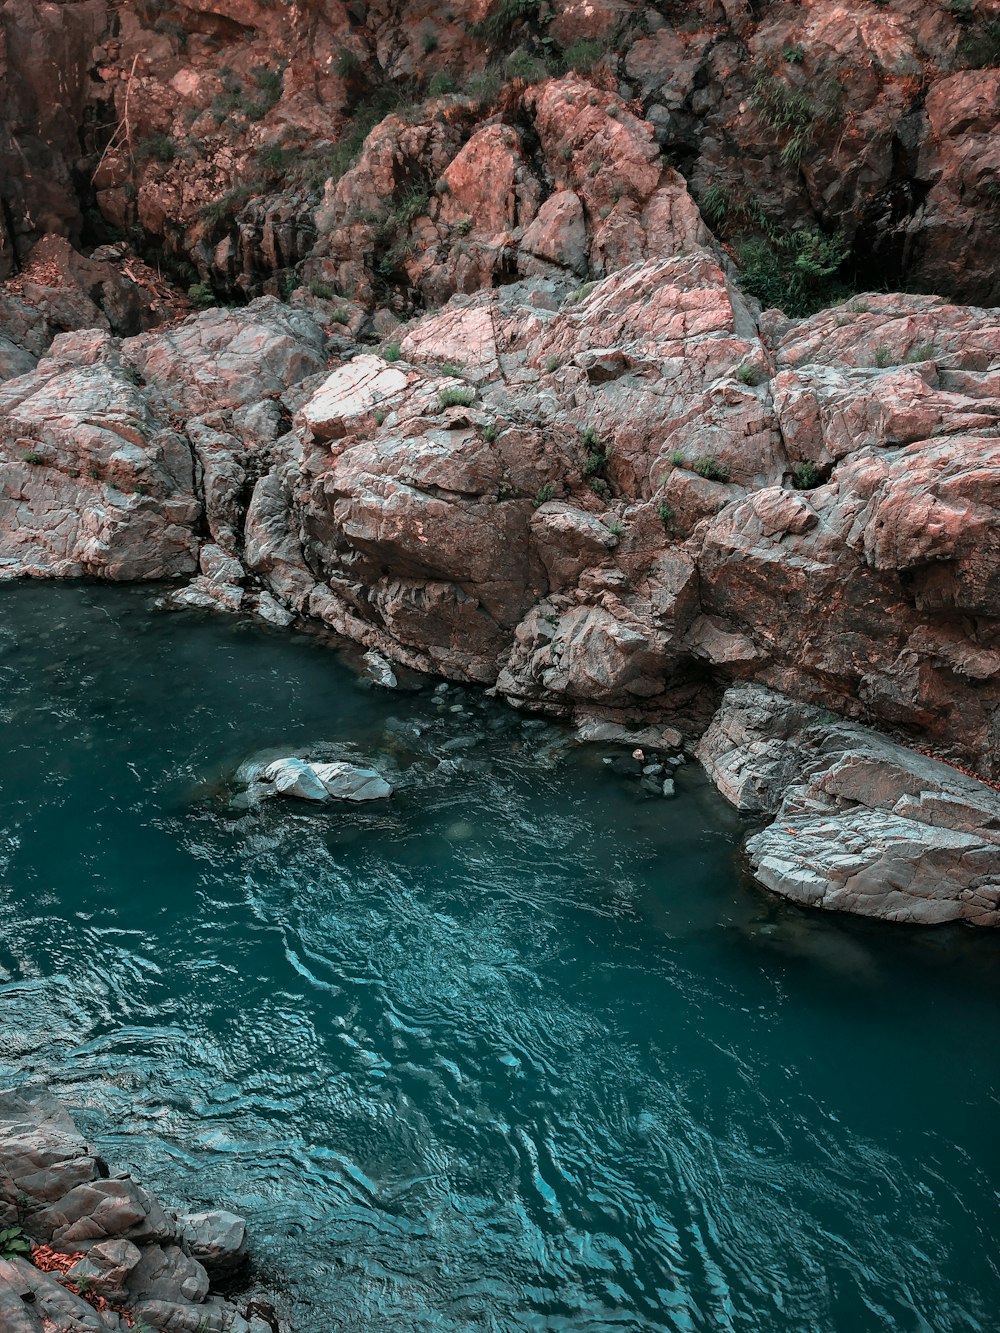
516	1050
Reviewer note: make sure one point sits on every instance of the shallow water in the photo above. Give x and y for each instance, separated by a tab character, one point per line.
517	1050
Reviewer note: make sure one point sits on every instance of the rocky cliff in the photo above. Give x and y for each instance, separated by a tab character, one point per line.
528	418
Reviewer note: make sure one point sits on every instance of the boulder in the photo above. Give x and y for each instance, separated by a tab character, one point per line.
860	824
323	781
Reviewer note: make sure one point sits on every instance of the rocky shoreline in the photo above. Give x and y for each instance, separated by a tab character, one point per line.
86	1250
513	415
534	519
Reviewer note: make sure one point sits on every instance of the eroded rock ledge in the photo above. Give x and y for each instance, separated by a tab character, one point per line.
860	824
133	1260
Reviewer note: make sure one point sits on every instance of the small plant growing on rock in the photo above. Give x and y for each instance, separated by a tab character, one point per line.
14	1244
882	356
491	432
746	374
582	56
805	476
794	54
159	147
599	486
379	417
677	459
463	226
666	515
615	526
441	85
391	352
710	468
923	352
452	368
552	363
32	458
583	291
456	398
543	494
323	290
341	315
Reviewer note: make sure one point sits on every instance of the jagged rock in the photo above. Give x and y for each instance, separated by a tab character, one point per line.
860	824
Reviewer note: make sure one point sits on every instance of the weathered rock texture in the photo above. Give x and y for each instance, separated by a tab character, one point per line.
132	1260
860	824
210	125
625	496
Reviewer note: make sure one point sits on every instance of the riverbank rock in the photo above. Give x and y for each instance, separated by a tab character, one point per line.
128	1259
860	824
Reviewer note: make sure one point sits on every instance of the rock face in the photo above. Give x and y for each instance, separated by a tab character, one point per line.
620	498
520	138
128	1259
860	824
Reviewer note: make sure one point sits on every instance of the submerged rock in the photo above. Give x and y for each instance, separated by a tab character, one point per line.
860	824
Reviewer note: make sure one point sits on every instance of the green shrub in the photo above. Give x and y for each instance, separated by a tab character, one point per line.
347	64
746	374
491	432
521	65
544	494
323	290
457	397
797	271
441	85
582	56
391	352
463	226
503	17
615	526
159	147
485	86
273	156
342	315
710	468
667	516
583	291
552	363
922	352
452	368
805	476
201	294
794	113
882	356
14	1243
32	458
794	54
677	459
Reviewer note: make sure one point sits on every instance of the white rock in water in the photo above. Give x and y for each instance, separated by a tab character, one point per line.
379	670
345	782
294	777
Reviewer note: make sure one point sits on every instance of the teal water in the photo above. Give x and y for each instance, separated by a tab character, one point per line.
517	1050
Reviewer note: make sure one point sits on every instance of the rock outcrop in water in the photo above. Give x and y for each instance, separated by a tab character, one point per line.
859	824
112	1257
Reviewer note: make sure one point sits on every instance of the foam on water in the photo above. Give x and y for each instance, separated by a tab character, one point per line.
517	1050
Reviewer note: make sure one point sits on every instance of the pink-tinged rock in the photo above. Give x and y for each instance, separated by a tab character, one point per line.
350	397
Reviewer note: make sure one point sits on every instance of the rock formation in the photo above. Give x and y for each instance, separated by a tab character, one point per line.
110	1256
860	824
524	422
